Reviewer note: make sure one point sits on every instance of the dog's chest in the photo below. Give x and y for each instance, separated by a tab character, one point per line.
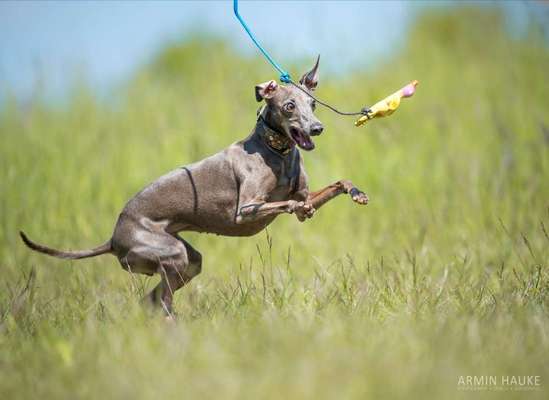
285	179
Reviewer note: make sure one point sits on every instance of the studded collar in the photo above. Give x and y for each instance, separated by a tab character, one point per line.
275	140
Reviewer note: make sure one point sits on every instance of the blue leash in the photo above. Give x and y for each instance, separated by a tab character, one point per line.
284	75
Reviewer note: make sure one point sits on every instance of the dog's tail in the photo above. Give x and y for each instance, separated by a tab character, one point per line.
69	255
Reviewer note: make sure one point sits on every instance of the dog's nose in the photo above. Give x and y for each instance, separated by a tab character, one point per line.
316	129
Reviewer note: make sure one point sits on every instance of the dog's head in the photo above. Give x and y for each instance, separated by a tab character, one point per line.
290	111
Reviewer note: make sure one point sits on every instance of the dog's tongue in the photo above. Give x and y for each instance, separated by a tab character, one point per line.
307	144
303	141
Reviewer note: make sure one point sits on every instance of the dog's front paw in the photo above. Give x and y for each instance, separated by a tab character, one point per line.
304	212
301	209
358	196
293	206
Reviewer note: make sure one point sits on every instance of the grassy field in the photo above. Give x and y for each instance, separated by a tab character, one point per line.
444	274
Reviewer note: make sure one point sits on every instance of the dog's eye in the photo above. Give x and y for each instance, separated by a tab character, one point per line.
289	106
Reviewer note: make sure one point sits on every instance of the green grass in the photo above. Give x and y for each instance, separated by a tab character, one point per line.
444	274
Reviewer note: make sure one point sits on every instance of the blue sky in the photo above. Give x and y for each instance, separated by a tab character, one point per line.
107	41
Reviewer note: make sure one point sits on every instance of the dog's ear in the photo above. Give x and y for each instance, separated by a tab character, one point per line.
310	79
265	90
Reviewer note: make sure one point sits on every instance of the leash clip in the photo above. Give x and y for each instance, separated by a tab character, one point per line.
285	78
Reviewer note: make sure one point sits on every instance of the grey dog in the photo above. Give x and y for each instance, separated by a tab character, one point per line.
236	192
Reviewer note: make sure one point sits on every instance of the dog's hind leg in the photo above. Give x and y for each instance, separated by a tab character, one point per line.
171	280
168	257
194	266
177	265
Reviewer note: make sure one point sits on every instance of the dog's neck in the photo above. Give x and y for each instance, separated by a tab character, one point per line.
273	139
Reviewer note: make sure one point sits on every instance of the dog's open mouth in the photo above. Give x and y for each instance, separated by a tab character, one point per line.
302	139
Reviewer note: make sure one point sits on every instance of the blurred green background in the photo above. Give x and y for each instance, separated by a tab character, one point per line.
444	274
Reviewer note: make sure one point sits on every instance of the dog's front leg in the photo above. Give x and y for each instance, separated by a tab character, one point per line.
256	210
321	197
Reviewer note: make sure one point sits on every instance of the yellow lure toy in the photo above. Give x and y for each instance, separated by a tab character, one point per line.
389	104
